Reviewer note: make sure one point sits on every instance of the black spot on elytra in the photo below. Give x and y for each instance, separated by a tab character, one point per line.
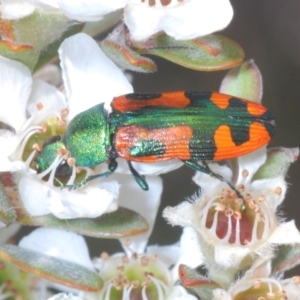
140	96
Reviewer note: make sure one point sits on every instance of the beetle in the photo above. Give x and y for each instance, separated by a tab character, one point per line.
190	126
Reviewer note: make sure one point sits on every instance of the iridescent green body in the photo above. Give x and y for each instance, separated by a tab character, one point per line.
189	126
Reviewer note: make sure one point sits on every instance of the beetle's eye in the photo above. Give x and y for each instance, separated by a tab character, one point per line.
63	169
52	140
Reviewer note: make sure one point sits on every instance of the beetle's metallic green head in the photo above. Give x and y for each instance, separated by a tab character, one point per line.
49	154
87	137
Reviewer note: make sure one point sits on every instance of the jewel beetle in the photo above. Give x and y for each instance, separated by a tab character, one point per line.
191	126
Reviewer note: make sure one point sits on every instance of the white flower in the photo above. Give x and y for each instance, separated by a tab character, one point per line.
182	20
258	283
146	274
237	225
186	19
63	296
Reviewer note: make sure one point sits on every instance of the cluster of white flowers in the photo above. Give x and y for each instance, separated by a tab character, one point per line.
227	233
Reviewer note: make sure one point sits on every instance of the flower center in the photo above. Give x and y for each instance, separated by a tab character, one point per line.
264	289
137	278
237	221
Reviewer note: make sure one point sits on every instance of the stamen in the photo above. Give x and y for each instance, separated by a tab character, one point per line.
245	173
144	296
73	176
53	165
39	106
61	122
104	255
64	112
278	191
237	232
4	296
107	295
30	158
160	285
52	174
144	261
229	230
126	293
25	136
296	279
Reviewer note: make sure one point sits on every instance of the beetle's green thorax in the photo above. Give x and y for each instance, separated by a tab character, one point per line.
49	153
87	137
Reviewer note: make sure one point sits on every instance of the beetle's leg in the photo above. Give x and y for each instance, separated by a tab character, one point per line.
205	169
141	181
112	166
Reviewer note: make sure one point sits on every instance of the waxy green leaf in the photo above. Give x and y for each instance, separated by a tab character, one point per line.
191	279
126	58
119	224
7	211
209	53
23	53
52	268
278	162
244	81
287	257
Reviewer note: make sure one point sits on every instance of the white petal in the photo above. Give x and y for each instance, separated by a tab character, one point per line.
52	101
251	162
183	215
46	4
34	194
15	9
89	76
149	168
63	296
49	73
268	187
89	202
146	203
190	251
39	199
196	18
230	256
184	20
142	20
179	293
261	267
219	294
58	243
167	254
10	141
89	10
286	233
15	87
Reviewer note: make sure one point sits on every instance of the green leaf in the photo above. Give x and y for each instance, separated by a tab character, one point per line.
126	58
119	224
52	268
7	211
244	81
209	53
287	257
51	51
191	279
40	29
278	162
23	53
